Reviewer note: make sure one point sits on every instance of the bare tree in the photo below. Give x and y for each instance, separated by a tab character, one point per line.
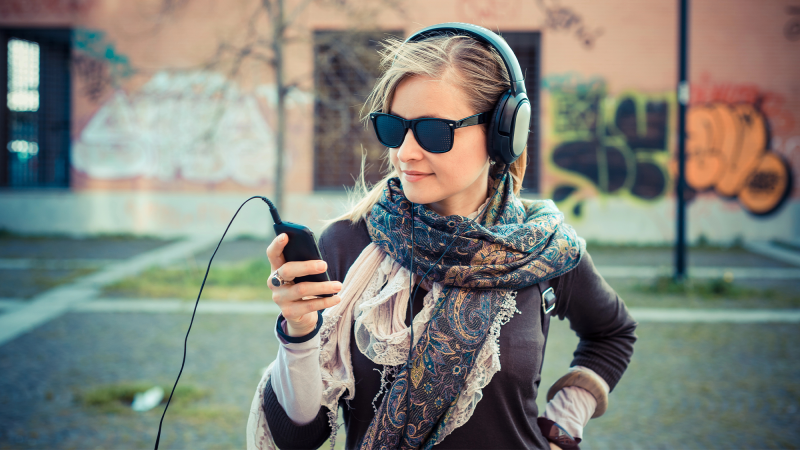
268	46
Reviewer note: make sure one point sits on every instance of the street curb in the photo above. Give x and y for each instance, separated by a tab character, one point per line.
770	250
738	273
715	315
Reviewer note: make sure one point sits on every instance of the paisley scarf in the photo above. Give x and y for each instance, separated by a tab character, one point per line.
514	245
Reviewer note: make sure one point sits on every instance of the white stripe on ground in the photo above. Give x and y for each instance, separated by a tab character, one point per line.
715	315
10	304
51	304
738	273
173	305
680	315
773	251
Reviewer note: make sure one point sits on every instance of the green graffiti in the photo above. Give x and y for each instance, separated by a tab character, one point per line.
608	145
95	44
97	63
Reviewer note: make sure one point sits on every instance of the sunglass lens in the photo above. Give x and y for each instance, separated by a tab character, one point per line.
434	135
390	131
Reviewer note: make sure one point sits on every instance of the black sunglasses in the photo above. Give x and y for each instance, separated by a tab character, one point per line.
434	135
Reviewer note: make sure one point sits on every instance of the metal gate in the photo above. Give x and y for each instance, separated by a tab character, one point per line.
34	119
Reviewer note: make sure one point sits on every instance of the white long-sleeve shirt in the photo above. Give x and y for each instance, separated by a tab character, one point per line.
297	382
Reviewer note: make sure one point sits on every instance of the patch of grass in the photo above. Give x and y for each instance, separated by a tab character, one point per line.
244	281
713	288
702	243
5	233
116	398
664	292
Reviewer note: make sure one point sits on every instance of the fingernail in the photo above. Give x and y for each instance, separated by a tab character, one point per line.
337	285
282	237
321	265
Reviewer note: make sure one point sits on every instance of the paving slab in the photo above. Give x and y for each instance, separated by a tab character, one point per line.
27	283
688	386
31	265
233	251
665	257
54	302
74	248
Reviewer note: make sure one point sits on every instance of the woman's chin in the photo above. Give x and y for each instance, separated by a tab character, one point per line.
419	195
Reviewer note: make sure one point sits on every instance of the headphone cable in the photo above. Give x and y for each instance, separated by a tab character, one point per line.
186	340
413	296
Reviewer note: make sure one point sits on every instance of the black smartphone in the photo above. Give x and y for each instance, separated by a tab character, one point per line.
302	246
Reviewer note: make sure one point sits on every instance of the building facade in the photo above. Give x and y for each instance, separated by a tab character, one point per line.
159	117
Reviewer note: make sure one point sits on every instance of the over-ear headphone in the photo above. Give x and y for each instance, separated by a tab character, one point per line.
510	123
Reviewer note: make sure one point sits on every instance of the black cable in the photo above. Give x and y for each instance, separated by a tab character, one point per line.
410	324
458	233
186	340
414	295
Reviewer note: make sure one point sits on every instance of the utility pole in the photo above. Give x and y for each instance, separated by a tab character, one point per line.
683	101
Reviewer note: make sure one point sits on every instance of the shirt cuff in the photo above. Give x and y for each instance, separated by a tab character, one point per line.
572	406
280	331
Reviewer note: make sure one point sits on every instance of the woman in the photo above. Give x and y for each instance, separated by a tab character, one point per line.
482	261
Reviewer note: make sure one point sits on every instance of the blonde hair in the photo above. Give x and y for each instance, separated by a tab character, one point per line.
476	69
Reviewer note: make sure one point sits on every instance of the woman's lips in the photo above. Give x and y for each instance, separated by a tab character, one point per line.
412	176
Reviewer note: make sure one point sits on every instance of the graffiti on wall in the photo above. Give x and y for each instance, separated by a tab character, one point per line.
565	19
98	63
738	138
727	151
608	145
198	127
772	104
22	8
738	142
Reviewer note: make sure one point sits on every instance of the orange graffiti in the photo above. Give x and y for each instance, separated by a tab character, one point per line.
772	104
726	149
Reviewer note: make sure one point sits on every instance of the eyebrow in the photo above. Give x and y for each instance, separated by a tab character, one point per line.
422	116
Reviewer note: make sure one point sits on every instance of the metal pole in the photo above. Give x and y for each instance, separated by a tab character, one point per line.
280	133
683	101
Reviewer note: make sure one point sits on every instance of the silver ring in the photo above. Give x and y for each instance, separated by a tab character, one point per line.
277	280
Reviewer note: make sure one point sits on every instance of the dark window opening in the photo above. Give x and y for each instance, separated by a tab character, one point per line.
526	45
34	118
345	70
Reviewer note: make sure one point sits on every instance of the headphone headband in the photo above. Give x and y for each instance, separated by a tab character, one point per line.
508	128
483	35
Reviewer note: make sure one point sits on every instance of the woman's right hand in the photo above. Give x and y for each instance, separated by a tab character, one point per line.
298	302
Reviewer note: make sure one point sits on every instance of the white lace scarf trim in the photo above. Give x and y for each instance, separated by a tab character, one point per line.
375	296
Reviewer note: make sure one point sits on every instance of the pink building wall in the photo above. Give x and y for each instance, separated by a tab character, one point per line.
147	91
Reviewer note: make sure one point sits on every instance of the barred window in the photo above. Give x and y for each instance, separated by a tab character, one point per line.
345	70
34	120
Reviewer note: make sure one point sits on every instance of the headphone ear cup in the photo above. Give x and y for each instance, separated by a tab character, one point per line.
495	140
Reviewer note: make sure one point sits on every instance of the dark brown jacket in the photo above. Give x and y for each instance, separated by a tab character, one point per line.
505	418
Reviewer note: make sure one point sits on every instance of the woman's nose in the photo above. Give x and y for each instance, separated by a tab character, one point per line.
410	150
